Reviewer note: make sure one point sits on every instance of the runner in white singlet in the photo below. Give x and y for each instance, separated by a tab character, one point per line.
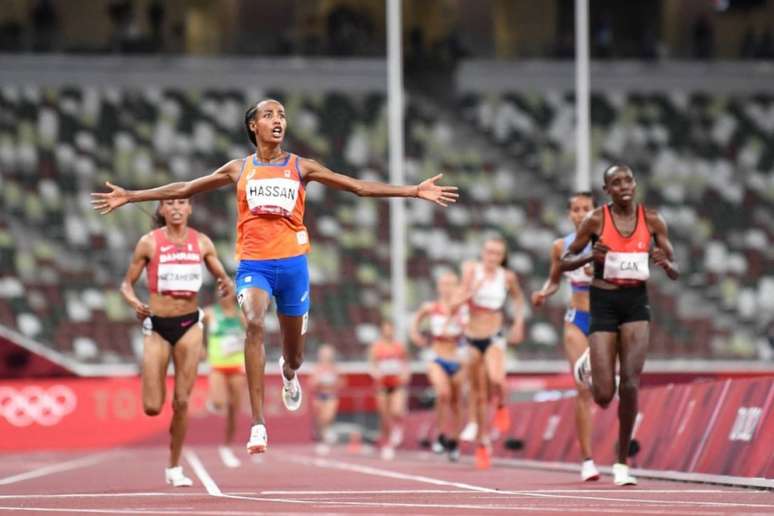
488	284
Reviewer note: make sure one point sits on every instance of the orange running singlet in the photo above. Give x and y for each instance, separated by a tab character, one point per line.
270	210
626	263
390	358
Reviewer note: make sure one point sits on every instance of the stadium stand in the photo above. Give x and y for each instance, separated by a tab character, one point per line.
702	159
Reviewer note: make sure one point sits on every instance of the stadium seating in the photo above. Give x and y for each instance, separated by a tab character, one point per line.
702	160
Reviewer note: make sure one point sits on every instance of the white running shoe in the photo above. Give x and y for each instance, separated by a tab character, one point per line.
388	453
582	369
228	457
291	389
396	436
470	432
259	441
322	449
589	471
437	447
176	478
621	476
329	437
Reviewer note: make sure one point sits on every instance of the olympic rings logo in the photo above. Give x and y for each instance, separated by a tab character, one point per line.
34	404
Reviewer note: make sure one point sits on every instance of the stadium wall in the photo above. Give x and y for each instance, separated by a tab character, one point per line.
711	428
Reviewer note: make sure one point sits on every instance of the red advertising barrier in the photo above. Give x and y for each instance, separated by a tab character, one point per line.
720	427
72	413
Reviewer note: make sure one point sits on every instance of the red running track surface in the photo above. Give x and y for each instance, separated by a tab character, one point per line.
293	480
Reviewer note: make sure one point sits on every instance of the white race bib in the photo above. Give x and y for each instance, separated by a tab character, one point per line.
580	276
628	266
444	326
274	196
391	367
186	277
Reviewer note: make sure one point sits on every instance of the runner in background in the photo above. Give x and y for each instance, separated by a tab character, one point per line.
447	315
488	284
325	382
172	257
224	338
389	366
576	322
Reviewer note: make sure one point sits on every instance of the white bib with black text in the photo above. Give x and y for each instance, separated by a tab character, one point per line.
272	196
628	266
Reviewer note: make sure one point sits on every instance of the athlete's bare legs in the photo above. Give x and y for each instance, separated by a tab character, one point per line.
155	360
634	347
185	356
255	303
292	343
575	343
603	350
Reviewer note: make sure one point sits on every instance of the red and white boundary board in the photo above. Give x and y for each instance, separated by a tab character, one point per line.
714	428
86	413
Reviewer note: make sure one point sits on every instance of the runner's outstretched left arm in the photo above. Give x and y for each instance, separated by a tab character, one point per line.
427	189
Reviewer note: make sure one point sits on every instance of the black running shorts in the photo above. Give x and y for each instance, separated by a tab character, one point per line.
612	308
171	329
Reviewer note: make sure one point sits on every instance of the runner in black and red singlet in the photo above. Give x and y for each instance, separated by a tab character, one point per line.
172	256
626	236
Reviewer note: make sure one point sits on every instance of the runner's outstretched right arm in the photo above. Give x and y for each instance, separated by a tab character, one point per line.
117	197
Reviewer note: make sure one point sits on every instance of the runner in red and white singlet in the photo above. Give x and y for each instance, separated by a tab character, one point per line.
172	256
447	316
622	233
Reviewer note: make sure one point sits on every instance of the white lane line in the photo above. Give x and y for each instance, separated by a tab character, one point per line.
187	511
506	492
368	470
696	478
204	477
214	490
514	509
592	490
95	495
353	492
97	511
55	468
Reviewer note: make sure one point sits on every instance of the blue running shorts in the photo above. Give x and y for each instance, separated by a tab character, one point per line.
579	318
285	279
